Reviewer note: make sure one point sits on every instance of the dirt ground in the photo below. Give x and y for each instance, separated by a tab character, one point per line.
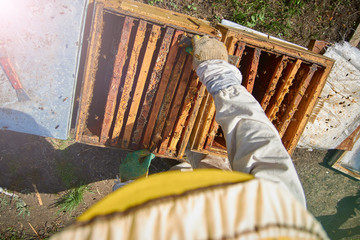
31	164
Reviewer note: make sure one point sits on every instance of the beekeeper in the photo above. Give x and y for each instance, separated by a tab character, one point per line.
262	198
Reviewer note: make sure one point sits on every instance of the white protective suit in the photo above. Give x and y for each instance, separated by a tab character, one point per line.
253	144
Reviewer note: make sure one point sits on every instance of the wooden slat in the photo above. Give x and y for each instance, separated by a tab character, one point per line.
282	90
119	62
239	52
298	94
212	133
184	112
162	119
175	106
230	45
90	70
252	70
209	114
295	129
349	142
153	84
273	81
129	79
150	48
162	88
190	122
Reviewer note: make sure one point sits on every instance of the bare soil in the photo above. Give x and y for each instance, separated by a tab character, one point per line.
27	161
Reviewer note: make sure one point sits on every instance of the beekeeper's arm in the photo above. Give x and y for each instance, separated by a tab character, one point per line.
253	144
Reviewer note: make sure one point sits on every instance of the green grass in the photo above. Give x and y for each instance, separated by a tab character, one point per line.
22	208
11	234
71	199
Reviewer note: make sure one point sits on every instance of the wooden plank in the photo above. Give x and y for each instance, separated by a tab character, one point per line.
162	88
163	120
252	70
355	39
175	106
273	81
295	129
152	87
212	133
185	110
230	45
239	52
150	48
349	142
207	120
190	122
296	97
283	90
119	62
91	64
129	80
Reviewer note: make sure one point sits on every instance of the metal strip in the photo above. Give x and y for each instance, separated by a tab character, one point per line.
177	100
283	90
90	70
120	59
153	85
162	88
154	36
252	71
129	80
298	94
273	81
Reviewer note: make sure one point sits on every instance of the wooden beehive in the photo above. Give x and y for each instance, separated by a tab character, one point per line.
139	90
285	79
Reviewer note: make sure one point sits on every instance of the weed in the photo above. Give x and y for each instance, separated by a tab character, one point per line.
152	2
3	201
22	208
66	171
191	7
11	234
173	5
71	199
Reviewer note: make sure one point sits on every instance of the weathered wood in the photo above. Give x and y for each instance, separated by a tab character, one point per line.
349	142
191	121
150	48
283	90
176	104
207	118
295	129
184	112
212	133
162	88
230	45
129	80
355	39
296	97
91	65
273	81
119	62
152	87
239	52
249	80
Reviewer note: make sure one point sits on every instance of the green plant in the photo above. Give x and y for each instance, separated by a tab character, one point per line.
152	2
191	7
22	208
173	5
3	201
71	199
11	234
66	171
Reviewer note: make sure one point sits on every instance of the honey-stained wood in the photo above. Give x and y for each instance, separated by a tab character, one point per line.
176	104
198	126
120	59
249	80
273	81
301	117
184	111
185	136
349	142
230	45
239	50
151	45
296	97
90	70
152	86
162	88
283	89
129	79
212	133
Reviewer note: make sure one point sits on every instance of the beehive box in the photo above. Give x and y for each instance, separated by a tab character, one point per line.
138	89
286	80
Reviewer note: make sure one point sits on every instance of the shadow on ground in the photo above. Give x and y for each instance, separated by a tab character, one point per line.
55	165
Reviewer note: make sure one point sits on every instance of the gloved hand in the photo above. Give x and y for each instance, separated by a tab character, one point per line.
205	48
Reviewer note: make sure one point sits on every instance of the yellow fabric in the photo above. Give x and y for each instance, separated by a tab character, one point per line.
160	185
